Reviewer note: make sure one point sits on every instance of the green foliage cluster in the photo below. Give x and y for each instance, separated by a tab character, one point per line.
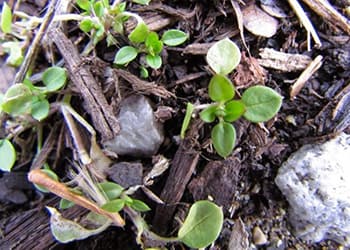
258	103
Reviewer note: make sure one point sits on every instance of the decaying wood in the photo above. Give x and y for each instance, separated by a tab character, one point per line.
285	62
305	21
40	178
305	76
155	22
31	229
35	44
197	48
144	86
328	13
182	167
104	120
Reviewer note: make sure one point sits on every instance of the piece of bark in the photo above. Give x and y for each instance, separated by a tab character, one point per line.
328	13
285	62
219	180
144	86
182	167
103	117
197	48
31	229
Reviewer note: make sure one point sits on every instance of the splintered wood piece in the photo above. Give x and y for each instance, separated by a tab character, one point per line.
144	86
40	178
197	48
97	106
305	76
285	62
331	15
305	21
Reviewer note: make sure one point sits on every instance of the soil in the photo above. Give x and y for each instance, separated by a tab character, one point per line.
243	184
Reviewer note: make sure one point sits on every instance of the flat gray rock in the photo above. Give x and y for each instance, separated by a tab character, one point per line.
316	182
140	134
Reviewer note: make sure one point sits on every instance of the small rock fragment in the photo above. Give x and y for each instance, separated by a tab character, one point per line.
126	174
239	236
259	22
316	183
259	238
140	133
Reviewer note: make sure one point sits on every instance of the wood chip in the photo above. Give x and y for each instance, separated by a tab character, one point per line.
239	237
285	62
305	76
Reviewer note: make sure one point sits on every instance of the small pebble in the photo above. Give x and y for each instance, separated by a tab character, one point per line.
259	238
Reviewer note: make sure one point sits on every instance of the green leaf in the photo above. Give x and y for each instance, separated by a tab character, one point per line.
84	4
143	2
208	114
86	25
223	56
99	9
139	34
220	89
113	206
154	62
234	110
99	33
262	103
153	44
174	37
49	173
125	55
187	119
144	72
223	136
65	230
54	78
202	225
17	100
7	155
40	109
111	189
128	201
14	50
6	18
139	206
65	204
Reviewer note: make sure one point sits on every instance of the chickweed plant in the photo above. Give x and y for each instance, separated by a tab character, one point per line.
257	103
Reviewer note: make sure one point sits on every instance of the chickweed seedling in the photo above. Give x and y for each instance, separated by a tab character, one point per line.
258	103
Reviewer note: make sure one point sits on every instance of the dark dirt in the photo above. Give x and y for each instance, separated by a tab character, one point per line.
243	184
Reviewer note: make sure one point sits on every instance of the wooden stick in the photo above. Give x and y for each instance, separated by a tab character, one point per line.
40	178
305	21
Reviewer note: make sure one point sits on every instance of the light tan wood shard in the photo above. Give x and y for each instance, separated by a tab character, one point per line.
285	62
305	76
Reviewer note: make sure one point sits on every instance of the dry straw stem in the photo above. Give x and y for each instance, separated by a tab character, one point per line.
305	21
40	178
304	77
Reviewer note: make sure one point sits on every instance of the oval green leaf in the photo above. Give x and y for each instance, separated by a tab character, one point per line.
262	103
6	18
223	56
98	8
155	62
125	55
208	114
153	44
113	206
139	206
223	136
187	119
14	50
202	225
65	204
86	25
17	100
40	109
110	189
220	89
139	34
83	4
54	78
7	155
174	37
234	110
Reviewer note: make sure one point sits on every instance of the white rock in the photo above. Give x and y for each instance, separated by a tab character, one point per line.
316	183
140	133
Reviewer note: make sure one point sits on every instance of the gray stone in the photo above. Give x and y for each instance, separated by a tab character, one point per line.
316	183
126	174
140	133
